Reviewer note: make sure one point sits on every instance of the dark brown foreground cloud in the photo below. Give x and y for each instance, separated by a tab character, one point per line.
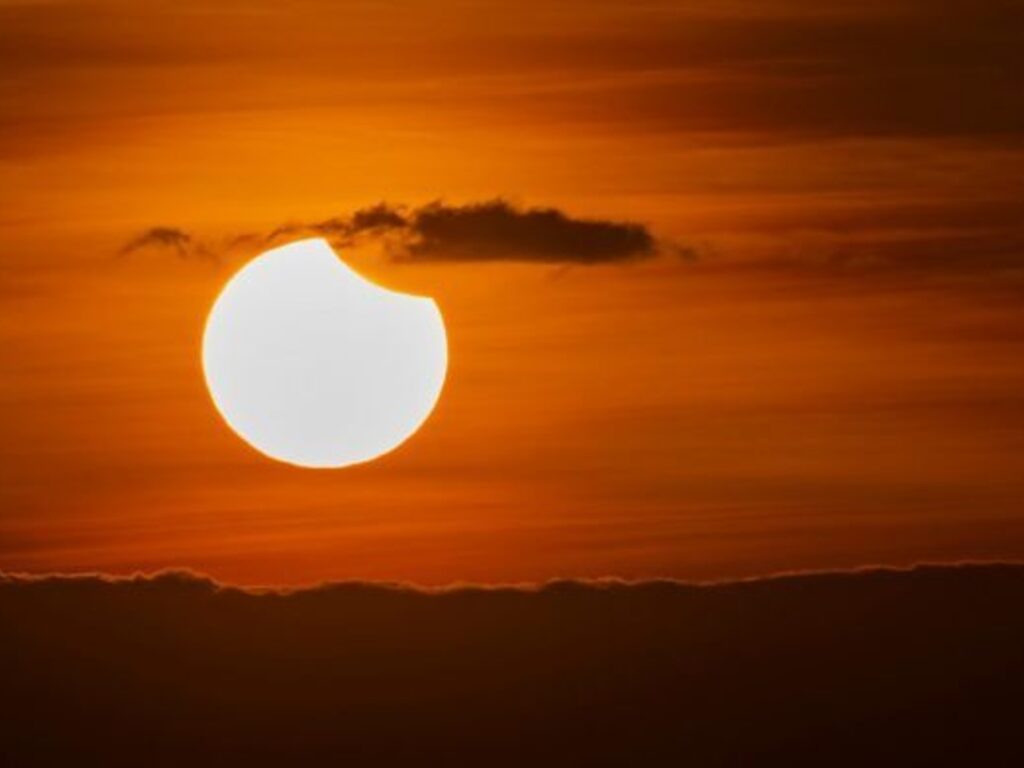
492	230
917	667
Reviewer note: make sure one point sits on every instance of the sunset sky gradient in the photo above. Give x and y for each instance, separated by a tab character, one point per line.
813	357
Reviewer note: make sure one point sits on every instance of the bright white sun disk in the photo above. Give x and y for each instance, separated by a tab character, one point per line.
312	364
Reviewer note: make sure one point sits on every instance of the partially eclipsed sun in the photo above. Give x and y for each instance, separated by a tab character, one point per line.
314	365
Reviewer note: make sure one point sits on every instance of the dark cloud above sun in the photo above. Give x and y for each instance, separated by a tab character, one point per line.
492	230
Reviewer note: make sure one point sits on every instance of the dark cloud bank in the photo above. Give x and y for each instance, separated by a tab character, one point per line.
918	667
493	230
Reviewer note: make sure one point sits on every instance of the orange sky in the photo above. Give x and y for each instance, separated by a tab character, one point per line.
834	380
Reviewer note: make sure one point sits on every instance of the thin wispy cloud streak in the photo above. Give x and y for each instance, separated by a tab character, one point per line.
177	241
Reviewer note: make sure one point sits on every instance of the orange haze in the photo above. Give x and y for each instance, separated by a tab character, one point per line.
832	376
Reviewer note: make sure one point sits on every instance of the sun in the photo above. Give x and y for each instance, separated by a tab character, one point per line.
314	365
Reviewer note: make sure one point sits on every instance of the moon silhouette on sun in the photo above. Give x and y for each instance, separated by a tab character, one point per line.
312	364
